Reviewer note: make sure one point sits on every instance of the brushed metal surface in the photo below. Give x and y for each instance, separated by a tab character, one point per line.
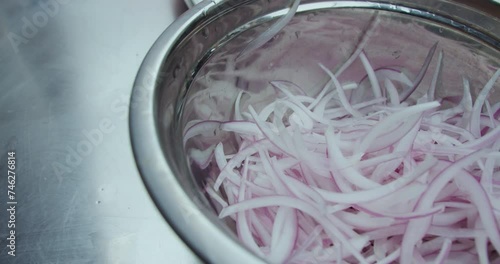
67	69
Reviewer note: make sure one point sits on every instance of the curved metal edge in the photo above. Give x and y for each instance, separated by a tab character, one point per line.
152	164
191	3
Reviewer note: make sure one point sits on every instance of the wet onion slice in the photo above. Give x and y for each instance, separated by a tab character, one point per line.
357	175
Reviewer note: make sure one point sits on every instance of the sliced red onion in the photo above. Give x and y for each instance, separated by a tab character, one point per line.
284	235
378	192
320	178
201	128
340	91
443	254
482	249
454	232
202	157
480	199
418	227
403	216
392	121
371	75
359	48
450	218
391	74
271	31
242	220
337	160
392	91
432	90
420	75
478	104
310	209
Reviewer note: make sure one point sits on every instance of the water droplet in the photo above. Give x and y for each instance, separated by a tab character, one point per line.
97	202
102	189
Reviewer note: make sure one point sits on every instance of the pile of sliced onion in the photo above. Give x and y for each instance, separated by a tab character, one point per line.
359	175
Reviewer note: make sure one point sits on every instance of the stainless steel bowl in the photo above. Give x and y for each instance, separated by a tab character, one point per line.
186	56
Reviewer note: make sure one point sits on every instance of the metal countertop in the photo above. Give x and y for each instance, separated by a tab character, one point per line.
66	73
